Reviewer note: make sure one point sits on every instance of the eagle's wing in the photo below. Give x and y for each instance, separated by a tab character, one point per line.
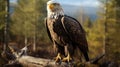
48	32
75	32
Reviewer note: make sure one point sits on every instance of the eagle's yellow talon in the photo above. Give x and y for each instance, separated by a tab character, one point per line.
67	59
58	58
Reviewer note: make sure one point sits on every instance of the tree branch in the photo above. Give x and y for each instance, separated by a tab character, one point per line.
22	60
39	62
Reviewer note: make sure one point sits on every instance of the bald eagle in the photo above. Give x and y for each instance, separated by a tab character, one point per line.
65	32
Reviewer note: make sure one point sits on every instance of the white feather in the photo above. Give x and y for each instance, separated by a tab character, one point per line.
58	10
51	1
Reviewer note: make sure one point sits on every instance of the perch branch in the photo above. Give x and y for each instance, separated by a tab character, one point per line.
28	61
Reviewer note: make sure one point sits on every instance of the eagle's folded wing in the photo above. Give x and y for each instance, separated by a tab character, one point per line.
75	32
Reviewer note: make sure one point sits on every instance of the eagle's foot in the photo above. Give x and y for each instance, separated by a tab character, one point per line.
58	58
67	59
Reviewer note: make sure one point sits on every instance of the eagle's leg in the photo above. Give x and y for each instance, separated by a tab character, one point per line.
68	53
67	59
58	58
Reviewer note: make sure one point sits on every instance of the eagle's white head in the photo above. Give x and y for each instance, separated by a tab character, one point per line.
54	9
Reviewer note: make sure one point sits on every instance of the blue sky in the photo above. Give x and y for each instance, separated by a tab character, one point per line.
80	2
13	0
77	2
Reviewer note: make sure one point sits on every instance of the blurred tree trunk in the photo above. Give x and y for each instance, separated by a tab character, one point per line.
26	41
6	34
4	21
34	42
81	16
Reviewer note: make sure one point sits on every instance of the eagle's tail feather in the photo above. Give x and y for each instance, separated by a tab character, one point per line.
86	56
84	52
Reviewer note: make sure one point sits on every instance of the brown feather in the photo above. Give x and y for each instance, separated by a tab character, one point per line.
67	31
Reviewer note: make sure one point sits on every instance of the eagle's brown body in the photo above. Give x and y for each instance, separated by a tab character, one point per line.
65	31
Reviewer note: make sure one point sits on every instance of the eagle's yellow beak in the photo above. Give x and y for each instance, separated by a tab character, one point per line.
51	6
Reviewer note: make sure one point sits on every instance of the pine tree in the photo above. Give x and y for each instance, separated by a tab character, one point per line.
95	36
28	21
4	22
113	25
2	18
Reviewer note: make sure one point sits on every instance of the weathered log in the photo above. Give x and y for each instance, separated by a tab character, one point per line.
22	60
28	61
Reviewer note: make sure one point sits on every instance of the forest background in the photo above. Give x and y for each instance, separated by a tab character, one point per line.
25	25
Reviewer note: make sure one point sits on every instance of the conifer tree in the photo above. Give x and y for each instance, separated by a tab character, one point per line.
28	21
2	18
112	25
112	30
